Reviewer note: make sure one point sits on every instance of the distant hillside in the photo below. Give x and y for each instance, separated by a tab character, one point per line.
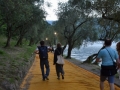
50	21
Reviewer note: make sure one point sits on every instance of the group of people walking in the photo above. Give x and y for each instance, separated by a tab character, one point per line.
42	50
106	55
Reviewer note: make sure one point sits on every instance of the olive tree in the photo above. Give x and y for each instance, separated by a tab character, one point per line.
106	13
75	24
16	15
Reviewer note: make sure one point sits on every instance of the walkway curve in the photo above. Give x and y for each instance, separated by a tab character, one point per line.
76	78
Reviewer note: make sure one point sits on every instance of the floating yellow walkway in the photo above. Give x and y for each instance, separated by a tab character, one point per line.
76	78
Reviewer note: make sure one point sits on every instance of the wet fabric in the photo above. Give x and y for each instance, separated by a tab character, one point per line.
75	78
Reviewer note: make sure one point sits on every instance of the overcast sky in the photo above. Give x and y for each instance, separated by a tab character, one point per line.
50	10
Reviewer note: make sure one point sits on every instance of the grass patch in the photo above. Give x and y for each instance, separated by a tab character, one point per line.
13	59
2	41
2	52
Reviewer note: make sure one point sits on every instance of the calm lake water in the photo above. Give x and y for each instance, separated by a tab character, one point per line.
85	51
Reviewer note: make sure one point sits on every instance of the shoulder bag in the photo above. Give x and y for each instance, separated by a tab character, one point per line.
60	59
109	70
114	63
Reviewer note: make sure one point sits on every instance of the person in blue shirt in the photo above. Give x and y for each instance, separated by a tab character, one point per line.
42	50
107	55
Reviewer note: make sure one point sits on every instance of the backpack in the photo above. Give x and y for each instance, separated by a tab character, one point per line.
43	52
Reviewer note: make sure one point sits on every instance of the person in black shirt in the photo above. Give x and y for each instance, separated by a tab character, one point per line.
59	67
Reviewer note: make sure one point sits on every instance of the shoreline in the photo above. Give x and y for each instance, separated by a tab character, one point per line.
91	68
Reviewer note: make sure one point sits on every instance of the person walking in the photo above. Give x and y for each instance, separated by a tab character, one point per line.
108	70
58	67
52	49
118	50
42	50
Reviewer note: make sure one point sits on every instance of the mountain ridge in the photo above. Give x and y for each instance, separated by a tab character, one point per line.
51	21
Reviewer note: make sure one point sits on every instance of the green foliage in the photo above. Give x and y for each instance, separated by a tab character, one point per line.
74	24
2	29
1	52
13	59
28	52
108	9
20	17
11	80
2	40
30	49
74	2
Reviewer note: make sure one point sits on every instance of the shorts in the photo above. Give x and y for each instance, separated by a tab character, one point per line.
109	78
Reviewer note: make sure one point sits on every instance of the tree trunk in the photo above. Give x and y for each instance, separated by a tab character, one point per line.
19	42
64	47
21	35
37	41
69	51
91	58
8	37
8	42
31	41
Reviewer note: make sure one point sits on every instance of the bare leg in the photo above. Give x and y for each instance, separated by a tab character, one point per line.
111	86
101	85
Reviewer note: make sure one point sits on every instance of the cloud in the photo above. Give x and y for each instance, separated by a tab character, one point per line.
51	10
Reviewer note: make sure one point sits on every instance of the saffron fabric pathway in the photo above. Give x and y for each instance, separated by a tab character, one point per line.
76	78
